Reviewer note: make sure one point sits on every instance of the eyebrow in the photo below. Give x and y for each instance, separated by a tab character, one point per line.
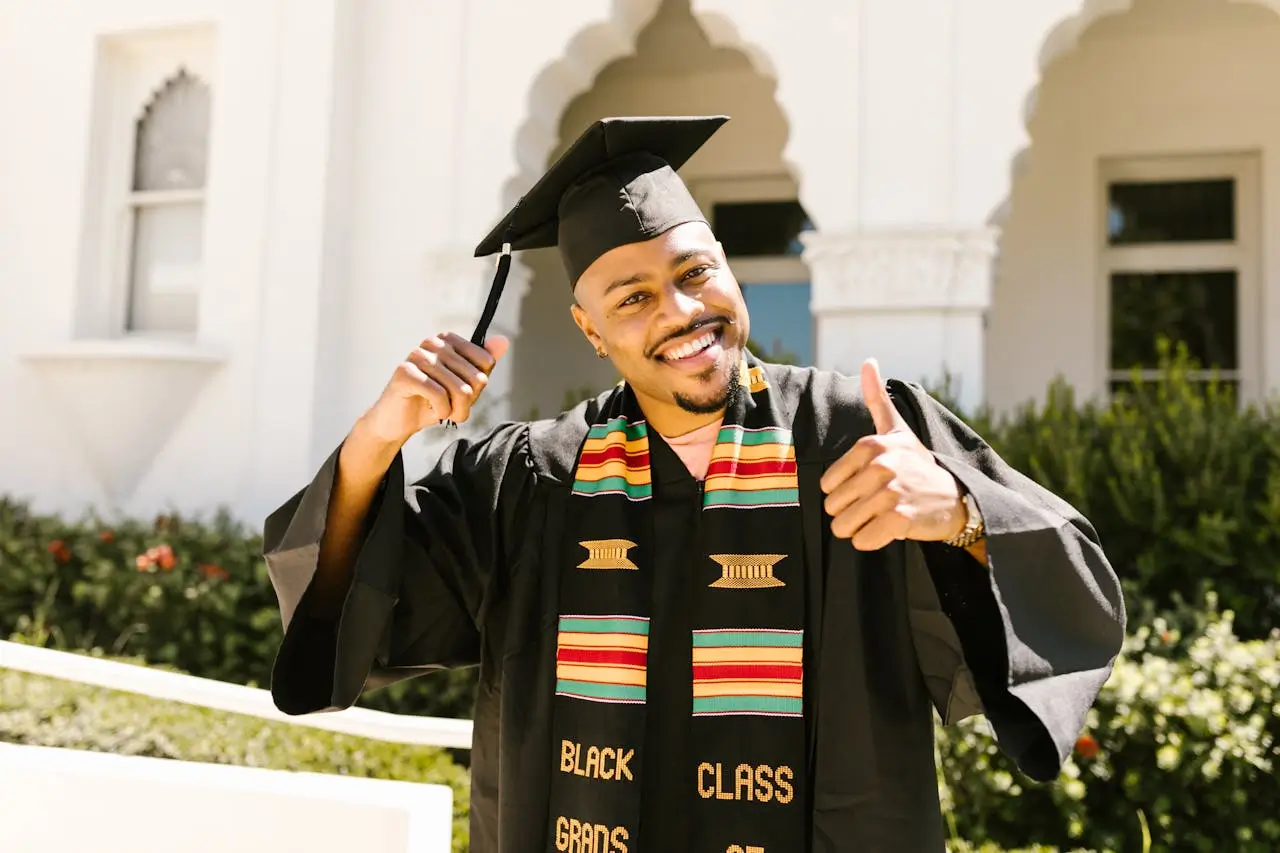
678	260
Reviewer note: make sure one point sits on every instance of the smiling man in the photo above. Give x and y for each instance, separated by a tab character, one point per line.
714	608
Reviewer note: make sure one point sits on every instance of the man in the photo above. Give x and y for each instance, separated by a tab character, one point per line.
713	608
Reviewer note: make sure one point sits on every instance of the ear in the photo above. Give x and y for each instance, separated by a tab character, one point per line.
585	325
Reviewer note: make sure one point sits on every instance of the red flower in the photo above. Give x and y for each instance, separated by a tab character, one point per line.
106	537
162	556
61	553
143	562
1087	746
214	572
1166	637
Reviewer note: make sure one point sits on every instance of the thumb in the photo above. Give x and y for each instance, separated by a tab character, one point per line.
884	414
497	347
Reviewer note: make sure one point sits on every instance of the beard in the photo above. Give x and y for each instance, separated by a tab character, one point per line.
716	400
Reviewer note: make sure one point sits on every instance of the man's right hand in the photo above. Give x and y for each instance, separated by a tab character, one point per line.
439	380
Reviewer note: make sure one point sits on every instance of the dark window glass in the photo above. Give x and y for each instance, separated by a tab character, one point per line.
760	228
1197	308
1171	212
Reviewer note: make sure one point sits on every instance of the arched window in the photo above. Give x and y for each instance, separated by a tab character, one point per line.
166	200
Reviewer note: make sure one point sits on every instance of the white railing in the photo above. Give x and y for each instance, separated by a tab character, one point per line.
235	698
126	804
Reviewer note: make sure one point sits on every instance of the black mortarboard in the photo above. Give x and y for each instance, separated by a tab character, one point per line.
615	185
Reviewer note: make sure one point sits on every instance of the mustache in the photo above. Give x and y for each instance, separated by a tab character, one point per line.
709	321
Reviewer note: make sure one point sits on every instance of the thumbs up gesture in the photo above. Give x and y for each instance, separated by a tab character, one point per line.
888	486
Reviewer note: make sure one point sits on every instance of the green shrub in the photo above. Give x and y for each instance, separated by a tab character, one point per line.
192	594
49	712
1183	742
1182	485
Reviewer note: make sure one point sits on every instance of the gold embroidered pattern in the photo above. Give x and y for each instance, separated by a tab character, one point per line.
608	554
747	571
752	377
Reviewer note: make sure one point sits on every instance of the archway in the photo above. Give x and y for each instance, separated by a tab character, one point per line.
1144	108
674	68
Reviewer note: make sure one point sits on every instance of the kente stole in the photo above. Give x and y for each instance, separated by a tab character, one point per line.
745	735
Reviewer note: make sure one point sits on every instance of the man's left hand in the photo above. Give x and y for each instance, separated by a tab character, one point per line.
888	486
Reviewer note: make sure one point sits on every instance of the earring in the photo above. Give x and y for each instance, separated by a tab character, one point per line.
601	354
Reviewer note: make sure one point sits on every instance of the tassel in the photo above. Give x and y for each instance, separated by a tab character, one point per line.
495	291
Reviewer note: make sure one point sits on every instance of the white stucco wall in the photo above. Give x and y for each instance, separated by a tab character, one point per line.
1171	78
360	150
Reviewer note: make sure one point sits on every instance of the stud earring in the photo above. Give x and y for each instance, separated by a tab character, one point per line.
601	354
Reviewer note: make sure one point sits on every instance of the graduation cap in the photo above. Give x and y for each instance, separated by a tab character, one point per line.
617	184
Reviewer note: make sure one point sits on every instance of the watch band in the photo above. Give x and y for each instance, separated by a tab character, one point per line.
974	529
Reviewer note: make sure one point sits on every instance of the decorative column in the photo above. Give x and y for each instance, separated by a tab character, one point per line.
457	285
915	300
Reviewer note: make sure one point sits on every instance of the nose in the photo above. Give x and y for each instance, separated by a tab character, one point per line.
683	307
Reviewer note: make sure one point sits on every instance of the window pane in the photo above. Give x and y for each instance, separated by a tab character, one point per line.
1197	308
173	137
164	287
760	228
1171	212
1122	389
781	325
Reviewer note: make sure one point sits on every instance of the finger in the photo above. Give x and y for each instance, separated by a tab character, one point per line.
882	530
484	357
884	414
862	484
414	382
856	516
854	460
458	394
450	359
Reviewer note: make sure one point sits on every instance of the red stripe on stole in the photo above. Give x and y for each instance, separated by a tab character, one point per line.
635	459
747	672
609	656
751	468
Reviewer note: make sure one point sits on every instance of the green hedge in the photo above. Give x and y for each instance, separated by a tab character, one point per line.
1183	741
1182	484
48	712
192	594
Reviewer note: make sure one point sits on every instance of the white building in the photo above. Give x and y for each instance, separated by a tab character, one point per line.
222	222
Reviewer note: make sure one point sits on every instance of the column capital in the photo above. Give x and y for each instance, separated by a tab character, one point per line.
901	270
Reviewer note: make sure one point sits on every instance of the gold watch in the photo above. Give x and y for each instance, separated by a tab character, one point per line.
974	528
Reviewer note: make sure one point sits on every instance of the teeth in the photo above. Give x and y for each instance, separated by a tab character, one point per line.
686	350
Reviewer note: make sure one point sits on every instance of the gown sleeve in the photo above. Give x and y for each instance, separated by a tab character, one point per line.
1034	633
420	577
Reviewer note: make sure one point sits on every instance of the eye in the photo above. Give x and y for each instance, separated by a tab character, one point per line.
633	299
696	272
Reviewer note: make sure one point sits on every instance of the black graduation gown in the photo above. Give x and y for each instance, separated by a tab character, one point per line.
463	571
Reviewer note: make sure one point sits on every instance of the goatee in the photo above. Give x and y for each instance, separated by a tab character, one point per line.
726	398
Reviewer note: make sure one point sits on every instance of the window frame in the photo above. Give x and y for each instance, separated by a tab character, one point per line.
130	70
760	269
1241	255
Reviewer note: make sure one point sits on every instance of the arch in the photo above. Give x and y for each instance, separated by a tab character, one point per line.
1062	40
182	101
589	51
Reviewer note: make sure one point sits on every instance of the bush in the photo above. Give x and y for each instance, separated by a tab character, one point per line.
1183	742
1182	485
179	592
49	712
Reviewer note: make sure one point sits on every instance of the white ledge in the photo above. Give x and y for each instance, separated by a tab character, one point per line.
130	348
233	698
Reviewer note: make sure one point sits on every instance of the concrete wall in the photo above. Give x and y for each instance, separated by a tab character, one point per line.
1173	77
360	150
